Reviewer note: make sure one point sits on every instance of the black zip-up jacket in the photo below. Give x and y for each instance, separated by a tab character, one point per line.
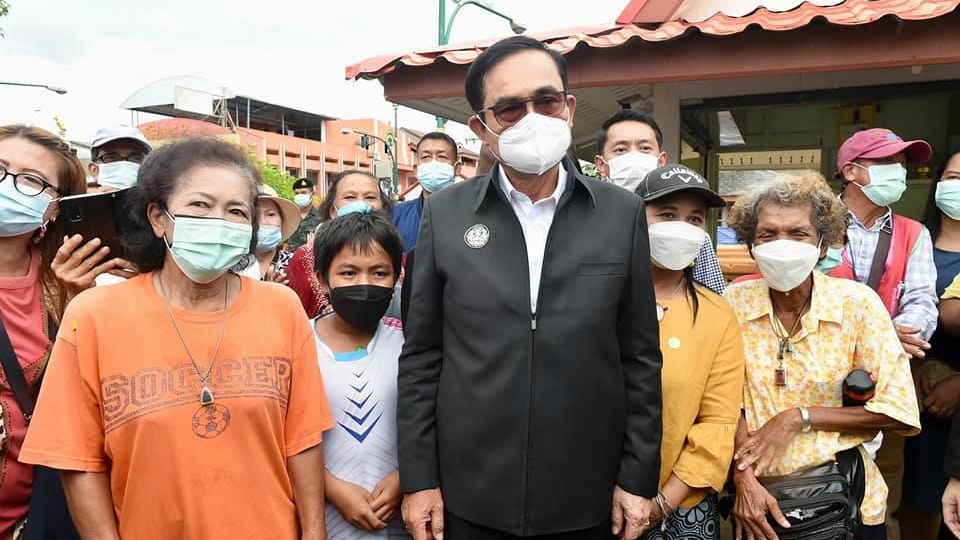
527	421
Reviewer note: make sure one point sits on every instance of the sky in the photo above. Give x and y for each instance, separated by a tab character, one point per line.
288	52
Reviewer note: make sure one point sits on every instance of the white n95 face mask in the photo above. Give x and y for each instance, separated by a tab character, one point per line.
785	264
674	245
535	144
628	170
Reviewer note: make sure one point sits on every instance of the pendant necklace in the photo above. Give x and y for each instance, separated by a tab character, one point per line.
206	395
780	373
662	310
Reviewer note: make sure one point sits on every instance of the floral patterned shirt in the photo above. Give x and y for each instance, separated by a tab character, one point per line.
846	327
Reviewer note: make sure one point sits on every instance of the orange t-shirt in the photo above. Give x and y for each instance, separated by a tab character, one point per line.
121	395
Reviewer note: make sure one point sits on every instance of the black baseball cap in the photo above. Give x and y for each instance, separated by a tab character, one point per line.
303	183
669	179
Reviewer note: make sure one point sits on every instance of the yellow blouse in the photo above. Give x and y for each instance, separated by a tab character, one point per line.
952	290
702	387
846	327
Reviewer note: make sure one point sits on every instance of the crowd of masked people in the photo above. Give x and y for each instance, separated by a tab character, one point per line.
571	362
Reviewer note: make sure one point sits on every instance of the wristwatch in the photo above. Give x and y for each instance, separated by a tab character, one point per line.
807	424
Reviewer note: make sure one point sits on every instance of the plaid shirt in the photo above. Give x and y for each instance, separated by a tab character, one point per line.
918	301
706	269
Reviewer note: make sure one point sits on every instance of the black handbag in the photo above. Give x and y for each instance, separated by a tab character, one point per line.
823	502
48	517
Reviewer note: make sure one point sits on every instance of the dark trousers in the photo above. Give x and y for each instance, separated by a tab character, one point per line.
456	528
873	532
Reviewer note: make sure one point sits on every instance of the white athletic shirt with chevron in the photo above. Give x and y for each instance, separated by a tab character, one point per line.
362	446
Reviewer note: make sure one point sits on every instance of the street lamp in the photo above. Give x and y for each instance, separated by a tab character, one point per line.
55	89
386	146
445	25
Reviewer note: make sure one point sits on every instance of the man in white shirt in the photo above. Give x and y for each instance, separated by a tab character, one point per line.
529	384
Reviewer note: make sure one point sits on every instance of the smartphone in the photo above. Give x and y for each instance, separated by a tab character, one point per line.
96	215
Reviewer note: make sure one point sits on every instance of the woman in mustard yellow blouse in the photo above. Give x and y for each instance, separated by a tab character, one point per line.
702	373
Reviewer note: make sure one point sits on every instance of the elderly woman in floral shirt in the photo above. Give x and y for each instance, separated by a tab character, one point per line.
803	332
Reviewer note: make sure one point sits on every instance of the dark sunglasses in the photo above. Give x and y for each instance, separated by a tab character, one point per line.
550	104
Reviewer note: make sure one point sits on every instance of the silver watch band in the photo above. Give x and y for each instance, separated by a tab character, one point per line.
807	424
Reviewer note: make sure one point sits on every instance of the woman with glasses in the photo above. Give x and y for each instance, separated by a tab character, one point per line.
187	402
36	167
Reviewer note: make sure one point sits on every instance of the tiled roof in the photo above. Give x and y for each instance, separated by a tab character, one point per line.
724	21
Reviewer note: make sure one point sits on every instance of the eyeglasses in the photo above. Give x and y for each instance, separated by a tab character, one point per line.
548	104
112	157
28	184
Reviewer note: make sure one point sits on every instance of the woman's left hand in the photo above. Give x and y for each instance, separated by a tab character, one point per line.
942	401
765	446
387	497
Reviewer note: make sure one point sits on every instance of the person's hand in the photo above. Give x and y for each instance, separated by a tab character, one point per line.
656	516
631	514
942	401
387	497
751	506
353	503
766	445
951	506
77	265
276	276
910	339
423	514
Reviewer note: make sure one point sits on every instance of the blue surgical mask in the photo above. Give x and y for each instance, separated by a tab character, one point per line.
434	175
354	207
303	200
948	198
833	259
268	238
119	175
20	214
887	183
206	248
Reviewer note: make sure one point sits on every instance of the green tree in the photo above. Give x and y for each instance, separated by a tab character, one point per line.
272	176
4	9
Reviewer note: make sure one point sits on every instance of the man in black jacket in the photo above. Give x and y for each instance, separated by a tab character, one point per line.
529	385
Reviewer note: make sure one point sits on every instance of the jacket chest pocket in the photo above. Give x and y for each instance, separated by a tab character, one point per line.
602	269
599	285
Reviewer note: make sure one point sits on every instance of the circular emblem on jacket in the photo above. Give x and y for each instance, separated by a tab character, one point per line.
477	236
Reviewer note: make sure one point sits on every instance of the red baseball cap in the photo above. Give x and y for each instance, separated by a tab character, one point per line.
881	143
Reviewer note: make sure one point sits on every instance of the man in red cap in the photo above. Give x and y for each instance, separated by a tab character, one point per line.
893	255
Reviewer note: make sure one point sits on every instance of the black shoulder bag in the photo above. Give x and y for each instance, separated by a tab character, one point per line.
48	517
821	503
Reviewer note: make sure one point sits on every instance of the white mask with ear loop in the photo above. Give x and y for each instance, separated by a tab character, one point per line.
785	264
628	170
533	145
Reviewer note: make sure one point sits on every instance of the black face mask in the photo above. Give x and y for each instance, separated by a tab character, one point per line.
362	306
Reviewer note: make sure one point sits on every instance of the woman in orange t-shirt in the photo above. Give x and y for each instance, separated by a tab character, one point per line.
186	402
36	167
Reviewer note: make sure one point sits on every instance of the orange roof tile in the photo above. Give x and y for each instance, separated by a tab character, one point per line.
847	12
